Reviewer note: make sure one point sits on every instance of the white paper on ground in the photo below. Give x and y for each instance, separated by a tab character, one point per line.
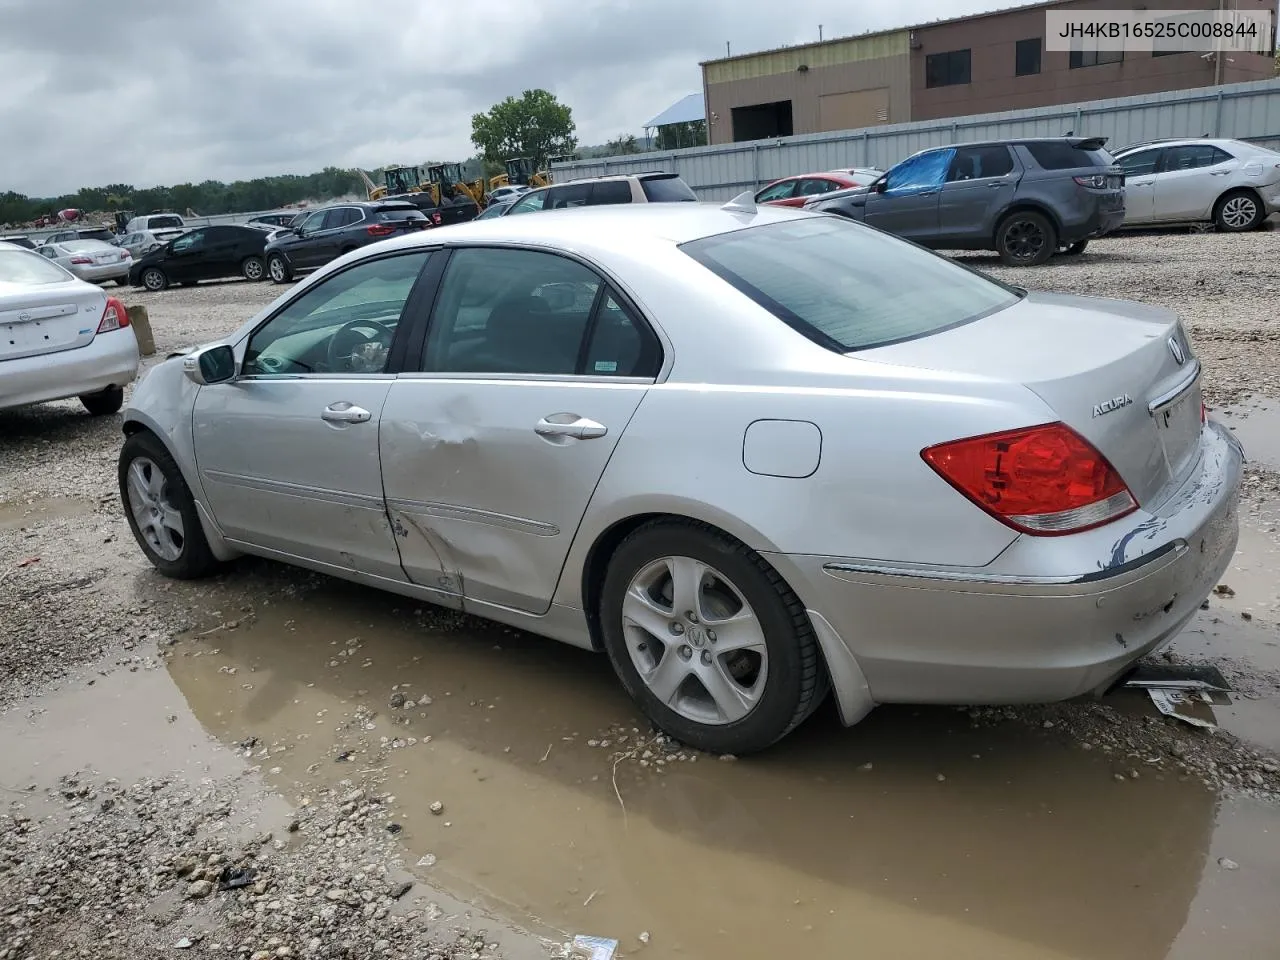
1168	702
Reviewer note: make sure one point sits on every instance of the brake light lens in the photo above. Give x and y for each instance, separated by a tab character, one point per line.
114	317
379	230
1097	180
1045	480
82	260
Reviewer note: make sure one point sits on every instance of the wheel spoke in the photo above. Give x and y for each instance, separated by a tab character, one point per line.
171	518
639	610
742	631
665	679
732	700
686	585
139	494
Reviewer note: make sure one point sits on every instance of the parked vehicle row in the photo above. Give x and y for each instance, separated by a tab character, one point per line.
95	261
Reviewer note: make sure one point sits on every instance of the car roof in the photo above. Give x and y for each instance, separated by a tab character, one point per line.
645	175
1189	142
611	228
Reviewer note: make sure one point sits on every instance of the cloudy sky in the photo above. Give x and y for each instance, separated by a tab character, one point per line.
150	92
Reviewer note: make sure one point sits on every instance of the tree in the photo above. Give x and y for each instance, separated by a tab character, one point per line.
674	136
536	125
623	143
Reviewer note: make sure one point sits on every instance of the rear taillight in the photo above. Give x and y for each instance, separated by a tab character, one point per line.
379	230
124	254
114	317
1044	480
82	260
436	218
1098	180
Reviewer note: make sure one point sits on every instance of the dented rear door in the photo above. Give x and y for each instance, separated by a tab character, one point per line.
486	480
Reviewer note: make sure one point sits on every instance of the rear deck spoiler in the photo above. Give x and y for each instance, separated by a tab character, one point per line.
1088	143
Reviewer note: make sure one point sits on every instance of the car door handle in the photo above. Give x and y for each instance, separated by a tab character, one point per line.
1219	173
1139	183
344	412
569	425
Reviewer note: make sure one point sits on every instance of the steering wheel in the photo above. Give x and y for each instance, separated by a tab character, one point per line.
360	346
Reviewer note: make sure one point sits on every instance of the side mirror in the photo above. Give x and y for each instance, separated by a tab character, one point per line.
210	365
879	185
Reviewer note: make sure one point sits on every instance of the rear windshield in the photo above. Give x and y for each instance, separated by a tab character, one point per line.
85	244
19	266
400	213
666	189
157	223
24	242
1055	155
848	287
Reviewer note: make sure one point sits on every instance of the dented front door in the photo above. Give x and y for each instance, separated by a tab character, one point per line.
487	480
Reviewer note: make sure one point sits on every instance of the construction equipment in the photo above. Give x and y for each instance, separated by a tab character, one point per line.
445	182
397	181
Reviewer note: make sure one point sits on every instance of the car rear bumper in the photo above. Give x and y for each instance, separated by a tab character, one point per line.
109	360
99	273
1051	618
1099	222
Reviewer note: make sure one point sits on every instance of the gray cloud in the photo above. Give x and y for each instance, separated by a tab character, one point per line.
132	91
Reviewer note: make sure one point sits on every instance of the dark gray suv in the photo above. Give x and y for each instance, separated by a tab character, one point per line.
1024	199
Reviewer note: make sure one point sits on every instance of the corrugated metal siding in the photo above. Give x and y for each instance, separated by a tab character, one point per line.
1244	111
815	55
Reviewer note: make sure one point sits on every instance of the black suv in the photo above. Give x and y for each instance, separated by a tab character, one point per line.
1025	199
330	232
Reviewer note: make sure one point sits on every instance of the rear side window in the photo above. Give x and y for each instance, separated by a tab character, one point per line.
1056	155
611	191
667	190
19	266
845	286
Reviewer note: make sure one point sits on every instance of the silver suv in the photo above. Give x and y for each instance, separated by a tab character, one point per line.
595	191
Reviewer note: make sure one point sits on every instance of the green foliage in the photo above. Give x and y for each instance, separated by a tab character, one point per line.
622	144
674	136
536	125
207	199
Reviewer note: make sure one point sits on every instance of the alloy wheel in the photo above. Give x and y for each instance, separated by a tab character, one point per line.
1024	239
159	519
695	641
1239	212
153	280
276	267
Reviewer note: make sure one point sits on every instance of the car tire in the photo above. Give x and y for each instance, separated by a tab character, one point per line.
104	402
152	488
1075	249
252	269
1026	239
154	279
278	269
771	687
1238	211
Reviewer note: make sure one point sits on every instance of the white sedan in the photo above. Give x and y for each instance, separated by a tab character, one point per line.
752	454
1229	183
60	337
95	261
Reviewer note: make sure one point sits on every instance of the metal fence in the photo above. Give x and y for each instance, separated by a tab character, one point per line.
1241	111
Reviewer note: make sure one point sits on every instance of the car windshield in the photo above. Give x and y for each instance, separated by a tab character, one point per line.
156	223
846	286
19	266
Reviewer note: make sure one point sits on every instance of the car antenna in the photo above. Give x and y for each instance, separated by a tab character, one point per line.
744	202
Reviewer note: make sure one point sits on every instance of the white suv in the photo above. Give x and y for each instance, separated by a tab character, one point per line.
596	191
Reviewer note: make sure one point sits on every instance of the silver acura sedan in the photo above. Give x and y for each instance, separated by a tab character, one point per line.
753	455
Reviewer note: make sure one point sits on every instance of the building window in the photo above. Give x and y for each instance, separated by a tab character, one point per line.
1093	58
947	69
1026	59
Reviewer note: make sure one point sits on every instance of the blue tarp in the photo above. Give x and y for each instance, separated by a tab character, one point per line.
685	110
918	174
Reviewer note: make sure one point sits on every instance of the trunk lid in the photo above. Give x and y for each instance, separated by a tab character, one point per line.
1120	374
47	318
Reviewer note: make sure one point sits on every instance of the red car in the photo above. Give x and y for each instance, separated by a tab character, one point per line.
794	191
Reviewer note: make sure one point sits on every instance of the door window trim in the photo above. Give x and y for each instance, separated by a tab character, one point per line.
404	329
410	368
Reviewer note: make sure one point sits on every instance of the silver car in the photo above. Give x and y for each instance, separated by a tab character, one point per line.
1230	183
753	455
142	242
95	261
60	337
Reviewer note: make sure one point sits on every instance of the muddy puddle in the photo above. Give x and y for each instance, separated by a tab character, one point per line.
915	834
19	514
1256	423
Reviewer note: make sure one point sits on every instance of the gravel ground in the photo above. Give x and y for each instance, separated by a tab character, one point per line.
103	867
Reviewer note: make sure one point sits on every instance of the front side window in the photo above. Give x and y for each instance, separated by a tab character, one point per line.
530	202
777	191
919	174
525	312
848	287
343	325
